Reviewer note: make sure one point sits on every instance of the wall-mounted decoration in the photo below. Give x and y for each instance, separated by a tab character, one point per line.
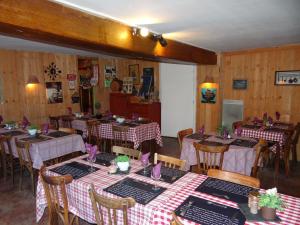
75	97
149	72
53	71
127	85
208	95
95	78
134	73
72	81
110	73
54	92
85	82
145	89
239	84
291	77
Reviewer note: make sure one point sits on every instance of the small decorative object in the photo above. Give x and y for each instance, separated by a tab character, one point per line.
269	202
72	81
239	84
134	73
75	97
52	71
208	95
10	125
122	162
223	132
54	92
32	130
145	161
92	151
127	85
253	201
291	77
277	114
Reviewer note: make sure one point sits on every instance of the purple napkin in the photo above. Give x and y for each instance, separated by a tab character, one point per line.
225	133
277	114
1	119
202	130
25	122
45	128
135	116
239	131
265	116
270	120
108	114
156	171
91	150
145	158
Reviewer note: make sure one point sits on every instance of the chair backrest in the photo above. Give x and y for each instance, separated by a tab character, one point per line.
132	153
93	131
54	122
182	133
7	140
120	135
175	220
209	157
260	149
169	161
67	130
55	189
296	134
111	205
234	177
23	150
67	121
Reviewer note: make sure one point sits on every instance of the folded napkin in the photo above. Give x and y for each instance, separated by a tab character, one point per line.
265	116
45	128
91	150
25	122
239	131
1	119
108	114
202	130
145	158
135	116
277	114
156	171
270	120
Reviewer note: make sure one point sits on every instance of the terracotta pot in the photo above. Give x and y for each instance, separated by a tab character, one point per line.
268	213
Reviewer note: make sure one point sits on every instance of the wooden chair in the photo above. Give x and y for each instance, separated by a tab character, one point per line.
295	139
132	153
55	189
67	121
262	151
175	220
234	177
110	204
169	161
286	155
93	132
54	122
120	136
8	160
67	130
182	133
23	149
207	157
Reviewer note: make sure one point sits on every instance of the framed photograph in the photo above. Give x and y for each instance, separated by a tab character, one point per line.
291	77
239	84
54	92
134	73
208	95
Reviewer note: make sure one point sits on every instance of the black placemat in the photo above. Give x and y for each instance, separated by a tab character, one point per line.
141	192
13	133
128	124
168	175
224	189
206	212
275	129
211	143
255	217
104	158
143	121
198	136
244	143
77	170
251	126
35	139
57	134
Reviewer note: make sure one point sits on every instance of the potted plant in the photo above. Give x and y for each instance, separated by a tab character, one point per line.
10	124
122	162
32	129
269	202
98	107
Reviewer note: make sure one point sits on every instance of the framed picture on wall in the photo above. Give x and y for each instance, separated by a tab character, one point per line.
134	73
291	77
239	84
208	95
54	92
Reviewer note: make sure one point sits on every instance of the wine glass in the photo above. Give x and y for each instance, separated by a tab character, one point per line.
91	160
156	177
145	163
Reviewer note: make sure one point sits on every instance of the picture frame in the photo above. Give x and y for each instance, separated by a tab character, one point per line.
134	73
208	95
240	84
287	77
54	92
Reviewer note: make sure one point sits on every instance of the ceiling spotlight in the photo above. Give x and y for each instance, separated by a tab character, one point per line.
134	31
144	32
163	42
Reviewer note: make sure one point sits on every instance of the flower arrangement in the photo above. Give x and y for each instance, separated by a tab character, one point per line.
223	131
122	158
271	199
33	127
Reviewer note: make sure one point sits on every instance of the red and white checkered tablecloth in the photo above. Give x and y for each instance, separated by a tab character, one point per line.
80	203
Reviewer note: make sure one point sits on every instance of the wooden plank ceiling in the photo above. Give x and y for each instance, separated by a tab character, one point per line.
56	24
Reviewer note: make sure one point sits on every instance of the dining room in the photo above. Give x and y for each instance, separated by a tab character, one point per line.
157	117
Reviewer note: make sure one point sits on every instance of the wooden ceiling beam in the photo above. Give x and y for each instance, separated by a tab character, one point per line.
56	24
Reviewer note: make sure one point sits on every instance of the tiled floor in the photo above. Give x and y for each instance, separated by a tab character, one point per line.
18	207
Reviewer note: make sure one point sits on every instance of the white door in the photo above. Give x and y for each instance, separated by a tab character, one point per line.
177	96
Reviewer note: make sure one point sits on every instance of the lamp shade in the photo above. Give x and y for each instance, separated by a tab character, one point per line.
33	80
208	79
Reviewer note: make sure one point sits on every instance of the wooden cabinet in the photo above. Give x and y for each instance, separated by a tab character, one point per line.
120	105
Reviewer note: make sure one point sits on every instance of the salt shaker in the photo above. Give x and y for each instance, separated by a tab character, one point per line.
253	201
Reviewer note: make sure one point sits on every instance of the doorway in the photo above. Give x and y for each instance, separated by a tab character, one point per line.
86	100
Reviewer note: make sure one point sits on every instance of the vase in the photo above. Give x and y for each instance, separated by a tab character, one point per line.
268	213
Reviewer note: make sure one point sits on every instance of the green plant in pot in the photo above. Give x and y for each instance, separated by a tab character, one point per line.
98	107
32	129
269	203
122	162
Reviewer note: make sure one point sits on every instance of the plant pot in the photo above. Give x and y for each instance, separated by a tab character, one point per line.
123	166
32	132
268	213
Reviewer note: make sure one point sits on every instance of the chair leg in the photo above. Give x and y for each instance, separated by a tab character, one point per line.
21	177
32	182
12	171
287	167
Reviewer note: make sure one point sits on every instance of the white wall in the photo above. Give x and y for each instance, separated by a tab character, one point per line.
177	96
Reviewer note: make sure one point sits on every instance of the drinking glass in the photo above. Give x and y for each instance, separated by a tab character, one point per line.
91	161
145	164
156	179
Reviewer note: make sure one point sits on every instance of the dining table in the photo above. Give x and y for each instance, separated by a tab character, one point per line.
239	158
44	147
195	198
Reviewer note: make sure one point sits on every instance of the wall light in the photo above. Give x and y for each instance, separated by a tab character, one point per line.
159	37
33	80
144	32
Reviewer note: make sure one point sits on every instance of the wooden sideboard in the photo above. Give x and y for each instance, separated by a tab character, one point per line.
120	105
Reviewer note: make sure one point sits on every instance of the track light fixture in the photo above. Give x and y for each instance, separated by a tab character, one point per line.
144	32
159	37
